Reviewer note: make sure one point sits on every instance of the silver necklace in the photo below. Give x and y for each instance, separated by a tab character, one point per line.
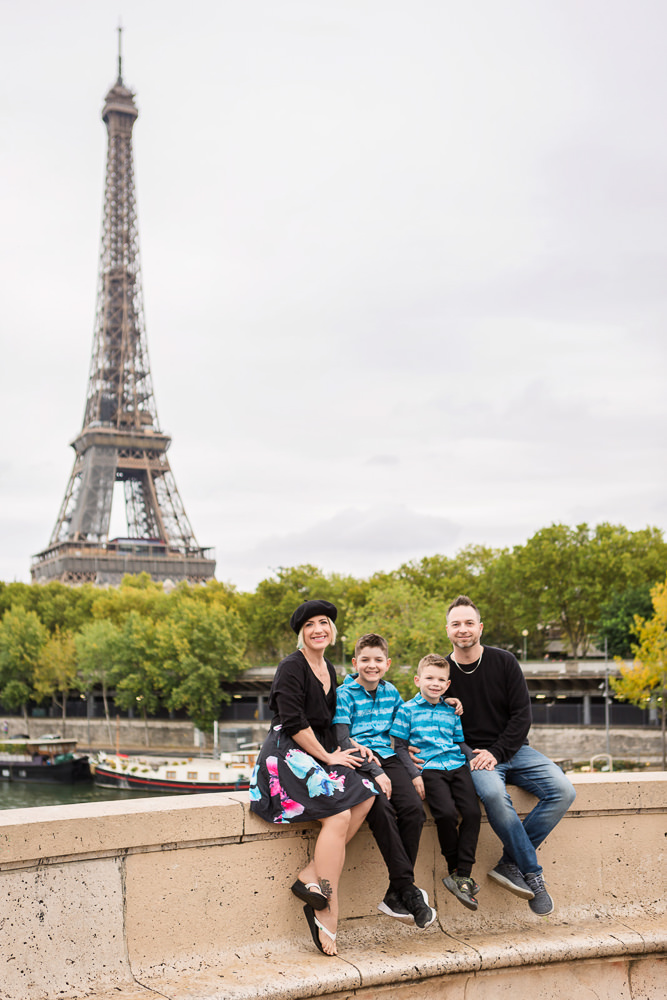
468	672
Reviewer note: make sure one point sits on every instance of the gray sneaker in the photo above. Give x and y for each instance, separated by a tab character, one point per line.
541	903
509	876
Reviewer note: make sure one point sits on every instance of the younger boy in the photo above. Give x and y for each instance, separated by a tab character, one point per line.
445	780
365	708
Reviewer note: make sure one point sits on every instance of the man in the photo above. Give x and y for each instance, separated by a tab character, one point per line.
496	721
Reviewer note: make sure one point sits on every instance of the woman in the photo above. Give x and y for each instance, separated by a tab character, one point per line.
302	775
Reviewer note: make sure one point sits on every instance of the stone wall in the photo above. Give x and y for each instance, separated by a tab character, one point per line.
580	743
188	897
573	742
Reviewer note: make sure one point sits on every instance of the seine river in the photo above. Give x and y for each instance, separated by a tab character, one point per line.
25	795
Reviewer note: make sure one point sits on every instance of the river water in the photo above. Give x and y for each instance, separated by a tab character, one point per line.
25	795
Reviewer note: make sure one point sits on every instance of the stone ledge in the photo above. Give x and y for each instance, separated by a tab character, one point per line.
388	960
188	897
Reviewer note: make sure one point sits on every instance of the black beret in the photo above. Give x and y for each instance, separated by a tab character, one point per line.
308	610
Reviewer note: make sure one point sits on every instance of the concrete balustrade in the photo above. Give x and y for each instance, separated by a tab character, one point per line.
188	897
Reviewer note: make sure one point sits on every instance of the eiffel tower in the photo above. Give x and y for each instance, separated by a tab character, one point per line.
121	440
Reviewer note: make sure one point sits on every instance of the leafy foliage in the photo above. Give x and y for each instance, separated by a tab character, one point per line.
182	650
617	619
645	682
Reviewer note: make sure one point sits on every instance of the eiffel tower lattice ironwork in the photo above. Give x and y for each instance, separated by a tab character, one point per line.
121	439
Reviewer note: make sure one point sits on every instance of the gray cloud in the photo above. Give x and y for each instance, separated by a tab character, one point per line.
394	260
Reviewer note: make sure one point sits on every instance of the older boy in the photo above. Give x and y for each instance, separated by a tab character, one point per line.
444	781
365	708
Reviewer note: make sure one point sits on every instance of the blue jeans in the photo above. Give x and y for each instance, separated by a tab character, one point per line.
528	769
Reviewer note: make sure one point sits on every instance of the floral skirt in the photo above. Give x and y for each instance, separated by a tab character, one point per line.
290	786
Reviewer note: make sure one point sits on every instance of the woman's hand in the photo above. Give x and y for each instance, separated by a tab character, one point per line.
348	758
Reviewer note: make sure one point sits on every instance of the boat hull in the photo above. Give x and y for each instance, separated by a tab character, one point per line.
67	772
110	778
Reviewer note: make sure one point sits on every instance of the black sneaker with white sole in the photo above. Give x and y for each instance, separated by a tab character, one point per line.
413	898
393	906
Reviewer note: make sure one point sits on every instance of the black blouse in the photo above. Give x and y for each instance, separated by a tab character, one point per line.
297	699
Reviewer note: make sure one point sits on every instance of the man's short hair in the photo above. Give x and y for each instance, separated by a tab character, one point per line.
463	602
370	641
433	660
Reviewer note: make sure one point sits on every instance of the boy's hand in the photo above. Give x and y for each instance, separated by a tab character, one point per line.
413	751
456	705
365	752
418	782
384	783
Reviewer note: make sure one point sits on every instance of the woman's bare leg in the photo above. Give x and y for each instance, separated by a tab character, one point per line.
328	860
359	814
326	867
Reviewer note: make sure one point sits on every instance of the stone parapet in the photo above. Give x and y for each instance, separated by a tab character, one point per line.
188	897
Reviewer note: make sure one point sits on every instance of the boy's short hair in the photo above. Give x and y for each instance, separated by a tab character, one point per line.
370	641
433	660
463	601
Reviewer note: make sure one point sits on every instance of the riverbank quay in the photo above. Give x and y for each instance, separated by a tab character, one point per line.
576	742
189	897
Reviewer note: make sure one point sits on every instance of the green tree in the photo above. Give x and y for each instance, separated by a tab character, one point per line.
136	594
567	574
617	619
57	605
22	637
269	609
136	672
200	646
97	647
55	672
645	682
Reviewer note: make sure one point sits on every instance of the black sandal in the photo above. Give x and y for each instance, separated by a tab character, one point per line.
317	899
315	928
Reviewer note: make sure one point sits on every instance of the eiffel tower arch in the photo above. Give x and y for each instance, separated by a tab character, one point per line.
121	440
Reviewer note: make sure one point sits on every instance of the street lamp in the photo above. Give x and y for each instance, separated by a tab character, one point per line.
606	694
343	640
525	644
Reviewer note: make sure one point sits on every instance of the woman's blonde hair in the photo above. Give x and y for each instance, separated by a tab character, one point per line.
334	634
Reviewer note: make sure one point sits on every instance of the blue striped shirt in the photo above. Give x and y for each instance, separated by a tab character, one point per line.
435	729
369	717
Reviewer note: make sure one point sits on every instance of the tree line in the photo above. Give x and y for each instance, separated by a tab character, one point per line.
179	650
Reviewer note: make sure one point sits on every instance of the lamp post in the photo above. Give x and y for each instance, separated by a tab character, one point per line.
343	640
606	695
525	644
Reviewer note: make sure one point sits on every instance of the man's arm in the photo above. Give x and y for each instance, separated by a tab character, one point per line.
520	719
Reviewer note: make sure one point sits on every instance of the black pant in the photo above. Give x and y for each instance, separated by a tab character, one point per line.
449	793
397	823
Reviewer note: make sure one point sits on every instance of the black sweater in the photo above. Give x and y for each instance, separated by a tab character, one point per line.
496	704
297	699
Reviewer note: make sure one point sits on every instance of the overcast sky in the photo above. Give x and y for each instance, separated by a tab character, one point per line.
404	267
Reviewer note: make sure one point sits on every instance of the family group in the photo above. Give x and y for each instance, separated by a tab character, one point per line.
342	755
